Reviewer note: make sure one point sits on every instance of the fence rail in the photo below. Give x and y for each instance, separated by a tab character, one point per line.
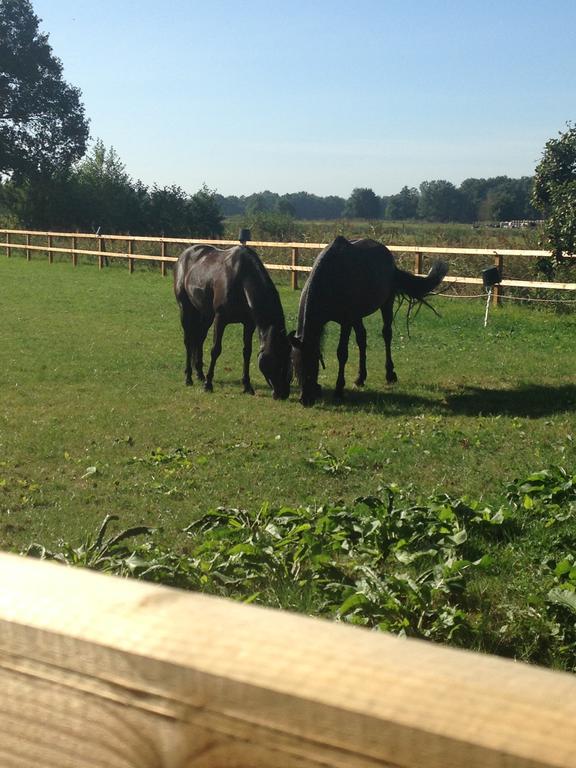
100	671
497	255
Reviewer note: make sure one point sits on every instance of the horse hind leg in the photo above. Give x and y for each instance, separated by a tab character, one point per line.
360	333
342	354
199	349
387	317
187	321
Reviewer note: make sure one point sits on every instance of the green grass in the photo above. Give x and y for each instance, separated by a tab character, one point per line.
95	419
92	376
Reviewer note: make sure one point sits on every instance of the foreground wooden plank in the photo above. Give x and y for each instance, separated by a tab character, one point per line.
97	671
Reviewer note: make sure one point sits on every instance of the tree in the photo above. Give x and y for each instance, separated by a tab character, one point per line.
47	202
404	205
554	192
309	206
167	211
362	204
474	192
106	197
260	202
204	214
43	129
284	207
441	201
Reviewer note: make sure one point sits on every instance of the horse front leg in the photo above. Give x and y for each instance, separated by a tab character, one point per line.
360	333
247	351
342	354
219	326
387	317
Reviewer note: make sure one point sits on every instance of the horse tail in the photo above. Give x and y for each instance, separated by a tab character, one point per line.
418	286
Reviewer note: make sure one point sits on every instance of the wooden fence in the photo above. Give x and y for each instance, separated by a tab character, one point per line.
102	672
25	238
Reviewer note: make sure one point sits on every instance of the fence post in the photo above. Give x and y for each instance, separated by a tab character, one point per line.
50	254
74	249
294	273
130	252
100	252
497	290
8	250
418	263
163	256
27	248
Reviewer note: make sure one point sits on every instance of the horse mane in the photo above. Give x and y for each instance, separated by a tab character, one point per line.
266	282
318	267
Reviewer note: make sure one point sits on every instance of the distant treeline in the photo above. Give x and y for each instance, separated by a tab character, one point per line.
98	194
495	199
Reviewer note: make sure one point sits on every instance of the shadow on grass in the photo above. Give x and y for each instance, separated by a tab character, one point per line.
528	401
386	401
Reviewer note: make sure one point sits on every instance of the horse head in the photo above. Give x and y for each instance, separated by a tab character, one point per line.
306	359
274	362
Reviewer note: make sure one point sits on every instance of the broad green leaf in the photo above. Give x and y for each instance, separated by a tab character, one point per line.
564	597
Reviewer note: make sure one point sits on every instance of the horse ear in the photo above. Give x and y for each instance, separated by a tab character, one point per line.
294	340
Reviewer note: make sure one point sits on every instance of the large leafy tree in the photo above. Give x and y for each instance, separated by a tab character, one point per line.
404	205
363	203
554	192
43	129
106	196
204	215
441	201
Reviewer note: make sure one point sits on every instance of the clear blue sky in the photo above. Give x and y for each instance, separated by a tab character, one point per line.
247	95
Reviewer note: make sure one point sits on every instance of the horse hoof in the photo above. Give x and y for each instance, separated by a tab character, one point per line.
208	387
249	391
338	394
359	383
392	379
188	382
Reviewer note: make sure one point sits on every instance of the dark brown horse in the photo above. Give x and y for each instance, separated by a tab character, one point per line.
219	287
350	280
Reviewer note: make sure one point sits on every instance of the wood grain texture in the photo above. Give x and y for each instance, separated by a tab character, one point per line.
98	671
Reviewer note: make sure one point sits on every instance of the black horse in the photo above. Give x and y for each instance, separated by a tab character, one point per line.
231	286
350	280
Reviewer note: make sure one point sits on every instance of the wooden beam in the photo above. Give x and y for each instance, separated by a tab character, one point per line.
418	251
103	672
530	253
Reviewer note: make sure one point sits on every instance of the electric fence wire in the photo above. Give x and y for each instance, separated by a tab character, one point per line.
504	298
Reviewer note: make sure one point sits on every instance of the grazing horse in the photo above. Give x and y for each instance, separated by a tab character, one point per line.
350	280
214	286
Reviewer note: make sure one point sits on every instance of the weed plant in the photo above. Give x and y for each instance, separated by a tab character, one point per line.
429	568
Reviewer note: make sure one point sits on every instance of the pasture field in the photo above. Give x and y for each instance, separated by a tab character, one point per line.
95	420
392	232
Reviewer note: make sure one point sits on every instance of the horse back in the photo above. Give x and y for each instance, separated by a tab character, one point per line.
211	280
353	279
